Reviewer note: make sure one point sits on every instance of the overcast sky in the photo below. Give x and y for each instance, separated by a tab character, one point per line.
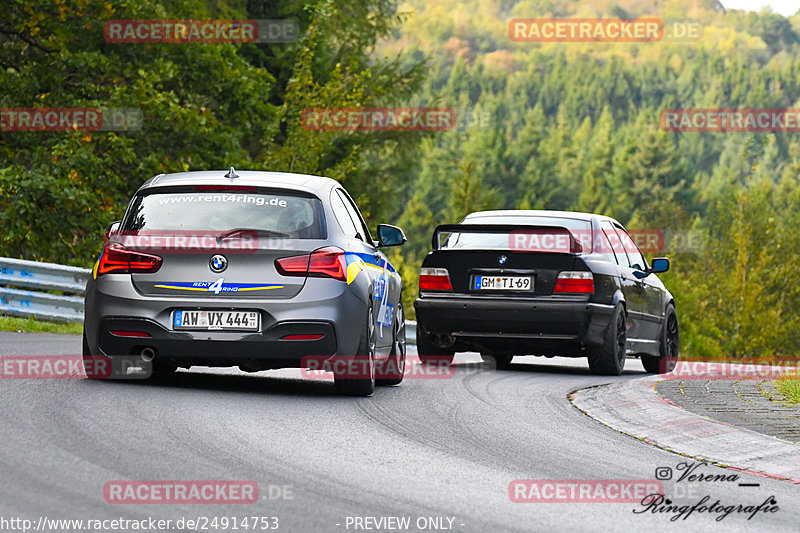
784	7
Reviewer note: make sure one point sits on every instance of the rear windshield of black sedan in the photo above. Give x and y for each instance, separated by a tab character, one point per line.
298	217
580	229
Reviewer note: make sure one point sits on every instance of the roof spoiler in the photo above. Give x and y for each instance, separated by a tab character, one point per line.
510	229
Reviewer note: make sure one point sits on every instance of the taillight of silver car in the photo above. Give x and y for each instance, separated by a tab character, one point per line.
328	262
116	259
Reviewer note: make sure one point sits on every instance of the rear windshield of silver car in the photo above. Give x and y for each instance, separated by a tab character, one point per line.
295	216
580	229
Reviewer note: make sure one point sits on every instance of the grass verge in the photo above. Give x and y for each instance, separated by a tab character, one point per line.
30	325
789	386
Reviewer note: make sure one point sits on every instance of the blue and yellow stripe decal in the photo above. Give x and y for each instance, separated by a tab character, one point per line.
215	287
356	262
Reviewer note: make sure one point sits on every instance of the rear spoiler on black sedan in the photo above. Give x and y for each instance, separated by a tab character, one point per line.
523	238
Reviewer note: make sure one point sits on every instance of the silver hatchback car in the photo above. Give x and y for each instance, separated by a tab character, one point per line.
259	270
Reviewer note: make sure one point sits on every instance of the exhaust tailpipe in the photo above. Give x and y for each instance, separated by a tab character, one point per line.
148	354
443	340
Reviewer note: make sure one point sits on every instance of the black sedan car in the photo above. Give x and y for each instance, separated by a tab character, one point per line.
506	283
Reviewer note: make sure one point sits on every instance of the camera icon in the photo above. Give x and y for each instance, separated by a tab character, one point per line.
663	473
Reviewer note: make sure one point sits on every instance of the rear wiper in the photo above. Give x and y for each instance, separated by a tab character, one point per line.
263	232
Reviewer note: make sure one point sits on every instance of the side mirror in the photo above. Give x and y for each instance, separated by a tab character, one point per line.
112	228
659	264
390	235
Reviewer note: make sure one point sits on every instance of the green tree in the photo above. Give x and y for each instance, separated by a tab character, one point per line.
204	106
467	193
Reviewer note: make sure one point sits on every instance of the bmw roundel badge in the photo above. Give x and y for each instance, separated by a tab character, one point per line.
218	263
502	259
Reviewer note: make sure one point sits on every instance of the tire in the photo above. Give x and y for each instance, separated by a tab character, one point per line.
361	385
499	362
669	346
392	371
92	363
429	353
85	348
608	359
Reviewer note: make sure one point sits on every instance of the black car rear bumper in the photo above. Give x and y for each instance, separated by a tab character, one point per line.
514	324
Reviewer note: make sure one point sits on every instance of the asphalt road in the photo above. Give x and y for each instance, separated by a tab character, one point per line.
445	448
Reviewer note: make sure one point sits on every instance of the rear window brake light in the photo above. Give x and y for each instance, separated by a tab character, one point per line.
242	188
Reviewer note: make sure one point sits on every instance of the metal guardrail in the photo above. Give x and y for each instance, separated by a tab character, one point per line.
411	333
38	277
